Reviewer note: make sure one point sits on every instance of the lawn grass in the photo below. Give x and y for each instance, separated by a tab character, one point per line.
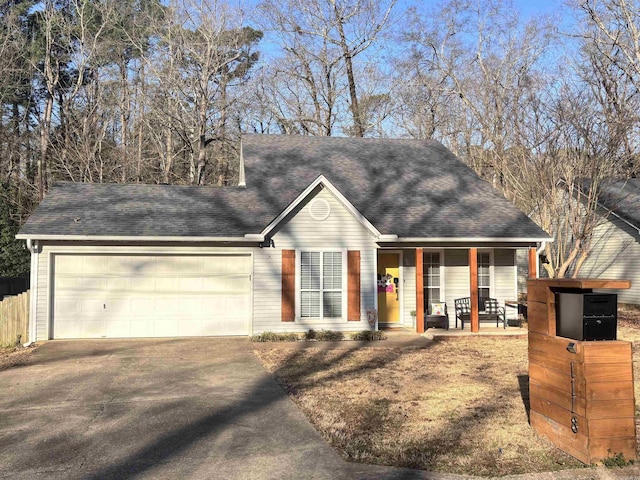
457	407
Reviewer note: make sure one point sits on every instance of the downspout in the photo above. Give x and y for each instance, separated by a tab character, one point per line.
33	247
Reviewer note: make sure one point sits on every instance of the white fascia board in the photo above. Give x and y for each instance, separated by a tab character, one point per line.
241	178
307	191
463	240
112	238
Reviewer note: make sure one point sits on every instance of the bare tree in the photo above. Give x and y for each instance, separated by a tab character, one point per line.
321	40
479	60
209	52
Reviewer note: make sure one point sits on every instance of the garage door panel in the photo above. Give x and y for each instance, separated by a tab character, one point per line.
67	306
89	306
94	283
118	328
91	327
190	306
167	285
190	284
94	265
151	296
191	265
166	265
69	283
166	327
140	327
117	284
167	305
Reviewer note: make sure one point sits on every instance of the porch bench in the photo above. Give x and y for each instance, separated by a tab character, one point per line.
493	312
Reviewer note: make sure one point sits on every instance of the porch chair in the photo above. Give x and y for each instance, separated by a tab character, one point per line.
436	316
463	311
491	308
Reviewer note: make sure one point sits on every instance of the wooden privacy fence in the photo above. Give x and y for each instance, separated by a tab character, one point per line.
14	319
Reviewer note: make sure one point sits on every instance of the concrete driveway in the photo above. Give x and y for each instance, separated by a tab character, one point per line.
171	408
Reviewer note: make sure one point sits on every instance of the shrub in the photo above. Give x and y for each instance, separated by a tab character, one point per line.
275	337
328	336
368	335
616	460
310	335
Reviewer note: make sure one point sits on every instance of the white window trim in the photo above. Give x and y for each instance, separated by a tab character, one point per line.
443	293
492	281
298	276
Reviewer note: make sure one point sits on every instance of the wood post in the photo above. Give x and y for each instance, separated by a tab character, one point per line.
533	263
288	285
473	281
419	292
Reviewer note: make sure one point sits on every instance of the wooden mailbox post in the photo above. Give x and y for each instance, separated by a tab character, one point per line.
581	395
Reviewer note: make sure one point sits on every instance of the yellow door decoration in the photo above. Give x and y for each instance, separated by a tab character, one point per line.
388	288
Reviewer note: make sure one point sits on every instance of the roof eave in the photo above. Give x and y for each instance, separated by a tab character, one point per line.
249	238
386	238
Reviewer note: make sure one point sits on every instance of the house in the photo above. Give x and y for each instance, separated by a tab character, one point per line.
320	233
615	244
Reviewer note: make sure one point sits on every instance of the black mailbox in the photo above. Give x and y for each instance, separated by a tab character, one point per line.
587	316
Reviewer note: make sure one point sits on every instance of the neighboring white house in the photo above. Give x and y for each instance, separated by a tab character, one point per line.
615	251
321	233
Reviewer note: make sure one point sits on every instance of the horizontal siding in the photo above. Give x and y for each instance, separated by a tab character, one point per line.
42	296
615	254
456	264
409	290
341	230
504	276
522	261
267	288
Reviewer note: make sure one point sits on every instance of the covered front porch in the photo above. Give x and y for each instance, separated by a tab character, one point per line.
476	286
416	285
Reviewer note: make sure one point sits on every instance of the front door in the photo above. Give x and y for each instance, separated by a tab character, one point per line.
388	288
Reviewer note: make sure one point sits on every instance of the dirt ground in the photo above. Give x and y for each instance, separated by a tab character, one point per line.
456	407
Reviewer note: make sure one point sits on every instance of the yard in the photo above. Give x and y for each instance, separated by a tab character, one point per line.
457	407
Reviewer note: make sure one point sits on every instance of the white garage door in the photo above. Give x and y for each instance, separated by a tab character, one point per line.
102	296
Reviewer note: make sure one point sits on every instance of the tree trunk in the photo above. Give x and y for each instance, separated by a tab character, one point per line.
346	54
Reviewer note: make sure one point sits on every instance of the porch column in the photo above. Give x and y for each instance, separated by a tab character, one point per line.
419	292
533	263
473	282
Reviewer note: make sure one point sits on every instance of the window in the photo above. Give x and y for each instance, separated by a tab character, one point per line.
484	278
321	284
431	272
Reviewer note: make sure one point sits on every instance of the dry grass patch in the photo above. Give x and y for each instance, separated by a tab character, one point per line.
458	407
12	357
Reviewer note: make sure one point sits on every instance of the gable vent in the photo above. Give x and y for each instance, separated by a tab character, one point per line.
319	209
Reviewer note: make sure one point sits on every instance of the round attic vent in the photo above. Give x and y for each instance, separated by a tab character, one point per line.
319	209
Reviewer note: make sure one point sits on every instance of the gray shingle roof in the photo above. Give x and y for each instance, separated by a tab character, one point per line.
623	198
410	188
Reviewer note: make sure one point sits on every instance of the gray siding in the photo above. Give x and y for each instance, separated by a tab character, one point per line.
341	230
615	254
